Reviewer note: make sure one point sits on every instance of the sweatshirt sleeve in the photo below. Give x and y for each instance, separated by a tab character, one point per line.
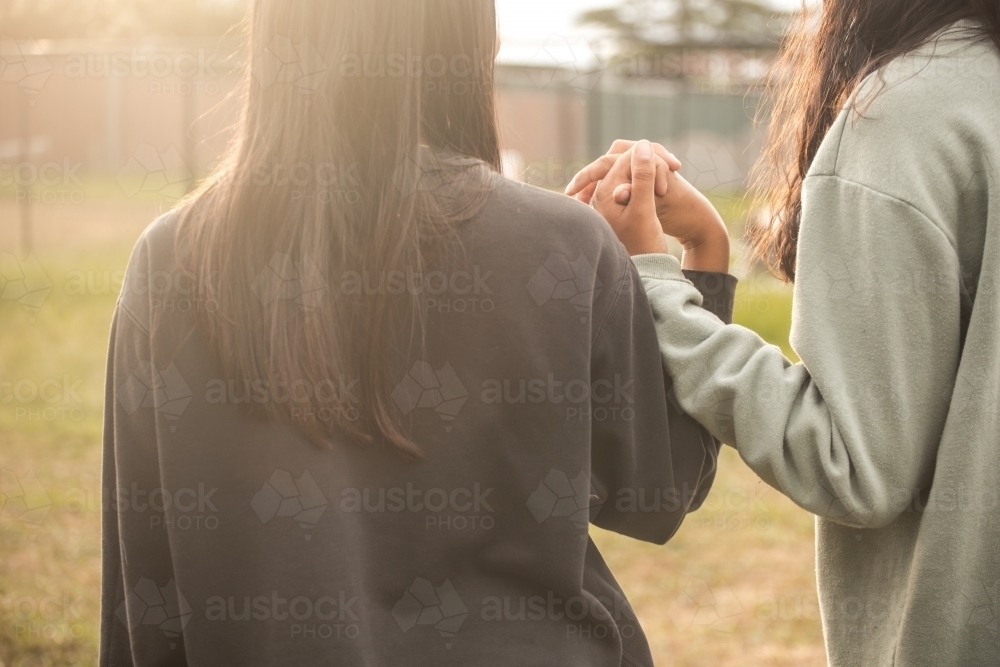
651	463
850	433
137	573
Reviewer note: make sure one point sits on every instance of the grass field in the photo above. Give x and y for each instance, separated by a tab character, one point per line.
735	587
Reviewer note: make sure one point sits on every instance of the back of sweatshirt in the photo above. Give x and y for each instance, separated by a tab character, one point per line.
889	429
539	403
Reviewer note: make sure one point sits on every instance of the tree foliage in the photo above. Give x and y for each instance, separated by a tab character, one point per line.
658	25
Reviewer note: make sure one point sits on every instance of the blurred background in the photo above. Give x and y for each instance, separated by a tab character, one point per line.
111	110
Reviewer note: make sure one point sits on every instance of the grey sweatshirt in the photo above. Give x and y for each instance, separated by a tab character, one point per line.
889	429
540	404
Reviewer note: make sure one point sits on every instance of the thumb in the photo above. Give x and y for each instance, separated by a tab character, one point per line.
623	194
643	177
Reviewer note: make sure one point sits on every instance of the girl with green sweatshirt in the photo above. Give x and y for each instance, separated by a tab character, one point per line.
889	429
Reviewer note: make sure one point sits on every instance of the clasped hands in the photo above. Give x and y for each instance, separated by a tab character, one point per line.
637	189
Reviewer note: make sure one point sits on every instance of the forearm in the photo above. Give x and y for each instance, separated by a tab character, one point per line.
746	393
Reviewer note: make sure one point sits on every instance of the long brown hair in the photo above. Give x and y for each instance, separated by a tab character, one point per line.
322	181
821	64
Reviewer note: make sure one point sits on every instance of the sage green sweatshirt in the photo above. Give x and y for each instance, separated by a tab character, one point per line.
889	429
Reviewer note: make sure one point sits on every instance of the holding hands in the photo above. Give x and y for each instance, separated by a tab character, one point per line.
637	189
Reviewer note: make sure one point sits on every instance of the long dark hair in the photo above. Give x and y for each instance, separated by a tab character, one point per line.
342	100
821	64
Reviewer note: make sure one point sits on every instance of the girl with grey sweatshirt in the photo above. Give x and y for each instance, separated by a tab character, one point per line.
889	429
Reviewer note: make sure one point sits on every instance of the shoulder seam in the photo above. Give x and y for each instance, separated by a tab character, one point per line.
914	207
618	293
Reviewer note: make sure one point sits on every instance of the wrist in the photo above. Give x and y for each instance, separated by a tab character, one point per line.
646	244
710	251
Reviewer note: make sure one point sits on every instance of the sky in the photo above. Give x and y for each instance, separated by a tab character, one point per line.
529	25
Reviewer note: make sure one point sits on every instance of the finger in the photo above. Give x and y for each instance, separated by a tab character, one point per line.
669	158
593	172
587	194
643	177
662	175
623	194
622	145
619	174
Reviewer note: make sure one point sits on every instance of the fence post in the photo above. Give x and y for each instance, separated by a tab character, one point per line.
27	240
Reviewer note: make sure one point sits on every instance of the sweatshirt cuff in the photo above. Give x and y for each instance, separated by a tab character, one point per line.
718	290
659	266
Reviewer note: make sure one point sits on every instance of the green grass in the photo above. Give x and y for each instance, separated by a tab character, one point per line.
734	587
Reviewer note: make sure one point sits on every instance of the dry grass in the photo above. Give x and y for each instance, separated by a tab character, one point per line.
735	587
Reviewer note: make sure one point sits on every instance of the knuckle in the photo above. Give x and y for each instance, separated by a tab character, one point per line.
643	173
